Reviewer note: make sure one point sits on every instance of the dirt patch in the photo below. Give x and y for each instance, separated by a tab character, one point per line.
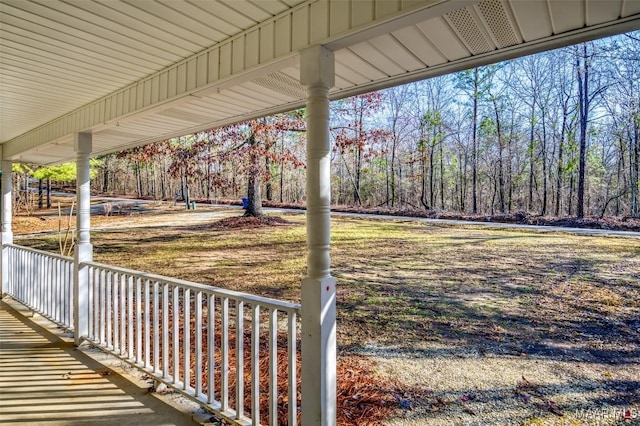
612	223
246	222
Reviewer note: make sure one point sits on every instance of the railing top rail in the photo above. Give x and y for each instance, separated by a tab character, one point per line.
41	252
217	291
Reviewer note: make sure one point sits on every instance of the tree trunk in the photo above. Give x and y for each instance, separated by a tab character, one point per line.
583	103
48	193
269	186
432	148
423	181
138	179
500	159
163	184
40	201
185	190
543	210
105	176
254	192
441	176
392	182
281	180
572	185
474	151
357	171
531	157
634	166
510	169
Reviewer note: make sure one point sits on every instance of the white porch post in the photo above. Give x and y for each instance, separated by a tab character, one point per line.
83	249
7	233
319	287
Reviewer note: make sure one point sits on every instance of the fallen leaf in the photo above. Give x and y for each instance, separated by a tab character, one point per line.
469	411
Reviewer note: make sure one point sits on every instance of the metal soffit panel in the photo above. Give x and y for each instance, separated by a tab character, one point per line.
446	43
486	27
56	56
483	28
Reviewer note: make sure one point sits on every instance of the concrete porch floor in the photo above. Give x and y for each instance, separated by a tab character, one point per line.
45	380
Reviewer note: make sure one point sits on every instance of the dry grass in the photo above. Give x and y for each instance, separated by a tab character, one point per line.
408	287
496	287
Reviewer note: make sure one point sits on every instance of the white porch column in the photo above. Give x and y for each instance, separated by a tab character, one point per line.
319	287
7	233
83	248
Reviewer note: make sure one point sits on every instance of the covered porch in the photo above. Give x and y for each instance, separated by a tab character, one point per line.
83	79
71	386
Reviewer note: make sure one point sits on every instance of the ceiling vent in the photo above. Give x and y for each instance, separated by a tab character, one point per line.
284	84
498	22
470	33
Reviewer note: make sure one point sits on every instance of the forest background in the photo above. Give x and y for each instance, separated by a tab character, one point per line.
552	134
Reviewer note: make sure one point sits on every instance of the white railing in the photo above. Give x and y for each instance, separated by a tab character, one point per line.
234	353
42	281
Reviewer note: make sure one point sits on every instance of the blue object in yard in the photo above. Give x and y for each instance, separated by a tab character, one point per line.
245	203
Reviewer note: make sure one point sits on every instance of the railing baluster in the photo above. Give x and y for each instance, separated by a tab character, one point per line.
123	313
147	325
186	339
92	309
176	335
45	288
108	297
292	353
139	315
273	367
29	294
50	304
115	306
58	289
39	285
156	327
44	293
165	330
255	365
42	296
239	359
62	295
224	347
130	317
211	337
103	306
68	294
198	354
39	288
16	277
95	274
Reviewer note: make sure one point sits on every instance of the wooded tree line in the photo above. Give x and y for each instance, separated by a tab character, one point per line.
557	133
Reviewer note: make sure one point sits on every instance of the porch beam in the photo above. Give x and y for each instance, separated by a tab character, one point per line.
7	232
319	287
83	248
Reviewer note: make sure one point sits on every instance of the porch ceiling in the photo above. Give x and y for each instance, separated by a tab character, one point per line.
134	71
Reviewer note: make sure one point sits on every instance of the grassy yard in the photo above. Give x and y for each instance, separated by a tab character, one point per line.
498	289
434	292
